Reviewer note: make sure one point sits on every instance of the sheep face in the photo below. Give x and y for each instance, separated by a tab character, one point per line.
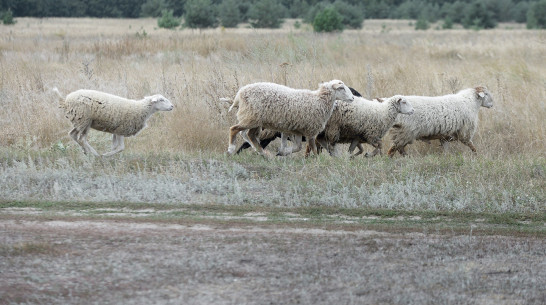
341	91
484	97
160	103
405	106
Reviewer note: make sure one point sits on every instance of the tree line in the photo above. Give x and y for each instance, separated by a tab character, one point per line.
270	13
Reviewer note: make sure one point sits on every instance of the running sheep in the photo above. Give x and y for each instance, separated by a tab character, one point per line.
292	111
363	121
445	118
268	135
109	113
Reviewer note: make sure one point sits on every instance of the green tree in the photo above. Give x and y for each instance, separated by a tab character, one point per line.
328	20
153	8
448	23
455	11
266	14
378	9
479	16
352	15
313	11
200	14
519	12
229	13
422	24
7	17
536	15
298	8
167	20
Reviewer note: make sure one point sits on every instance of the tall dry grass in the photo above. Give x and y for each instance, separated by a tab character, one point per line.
193	69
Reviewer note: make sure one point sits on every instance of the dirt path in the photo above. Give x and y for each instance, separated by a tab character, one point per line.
139	262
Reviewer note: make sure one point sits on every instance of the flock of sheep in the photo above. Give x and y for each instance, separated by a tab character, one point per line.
335	113
332	114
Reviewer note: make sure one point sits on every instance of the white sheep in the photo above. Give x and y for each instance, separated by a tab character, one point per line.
109	113
446	118
363	121
267	135
293	111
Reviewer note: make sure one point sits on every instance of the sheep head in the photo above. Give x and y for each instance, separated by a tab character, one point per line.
159	102
341	91
485	98
403	105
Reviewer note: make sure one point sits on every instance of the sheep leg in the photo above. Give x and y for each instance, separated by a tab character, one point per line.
263	143
377	149
296	143
392	151
74	134
283	149
469	144
311	146
117	145
253	138
360	149
402	151
83	142
322	142
233	131
355	144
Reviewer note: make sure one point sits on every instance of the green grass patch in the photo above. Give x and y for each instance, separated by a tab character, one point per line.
328	217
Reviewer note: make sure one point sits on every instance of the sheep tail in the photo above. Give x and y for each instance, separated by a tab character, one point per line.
235	104
226	100
61	98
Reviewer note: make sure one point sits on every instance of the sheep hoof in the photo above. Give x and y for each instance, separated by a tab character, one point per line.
231	149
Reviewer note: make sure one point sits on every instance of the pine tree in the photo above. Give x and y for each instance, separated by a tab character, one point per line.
200	14
328	20
266	14
229	13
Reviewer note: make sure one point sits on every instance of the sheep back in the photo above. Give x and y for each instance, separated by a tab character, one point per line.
453	116
107	112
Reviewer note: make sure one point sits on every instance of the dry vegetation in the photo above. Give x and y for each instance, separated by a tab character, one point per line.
184	148
71	231
194	68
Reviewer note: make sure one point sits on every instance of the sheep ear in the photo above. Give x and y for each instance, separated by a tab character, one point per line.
337	85
154	99
481	94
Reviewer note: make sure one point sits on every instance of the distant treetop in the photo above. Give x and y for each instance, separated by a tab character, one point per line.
270	13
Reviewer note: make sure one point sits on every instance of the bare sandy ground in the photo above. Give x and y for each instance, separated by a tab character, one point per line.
101	261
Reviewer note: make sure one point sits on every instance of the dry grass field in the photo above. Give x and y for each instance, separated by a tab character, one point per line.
174	220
